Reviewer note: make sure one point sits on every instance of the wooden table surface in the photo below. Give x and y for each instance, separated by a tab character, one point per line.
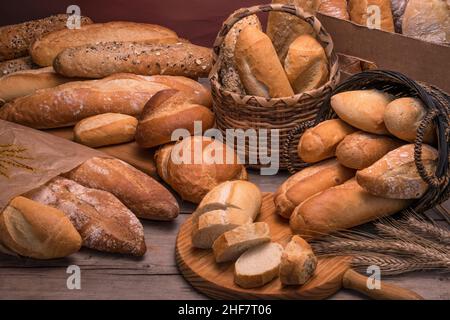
154	276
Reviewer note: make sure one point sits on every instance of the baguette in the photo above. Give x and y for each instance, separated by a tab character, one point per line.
16	39
103	222
144	196
363	109
360	13
103	59
308	182
341	207
258	266
22	83
298	262
19	64
45	50
335	8
37	231
259	68
230	245
359	150
69	103
167	111
395	175
320	142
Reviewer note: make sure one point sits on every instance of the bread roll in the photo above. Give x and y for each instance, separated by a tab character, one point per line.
395	175
306	64
334	8
308	182
103	59
37	231
15	39
197	164
402	118
139	192
341	207
45	50
105	129
19	64
230	245
363	109
228	71
361	149
320	142
103	222
360	13
283	28
298	262
259	68
167	111
69	103
258	266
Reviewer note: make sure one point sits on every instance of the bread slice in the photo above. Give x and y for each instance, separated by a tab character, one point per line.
230	245
298	262
258	265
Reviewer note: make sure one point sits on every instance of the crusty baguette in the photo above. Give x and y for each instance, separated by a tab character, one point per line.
402	118
22	83
320	142
258	266
103	59
230	245
335	8
19	64
38	231
361	149
306	64
308	182
341	207
71	102
139	192
363	109
298	262
396	176
167	111
360	13
15	39
45	50
103	222
259	68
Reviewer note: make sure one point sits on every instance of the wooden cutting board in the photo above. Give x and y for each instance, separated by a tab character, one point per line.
217	280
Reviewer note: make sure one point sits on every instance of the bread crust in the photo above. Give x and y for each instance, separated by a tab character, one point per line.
358	10
19	64
298	262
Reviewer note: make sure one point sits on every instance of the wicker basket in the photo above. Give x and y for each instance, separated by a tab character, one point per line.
234	111
437	103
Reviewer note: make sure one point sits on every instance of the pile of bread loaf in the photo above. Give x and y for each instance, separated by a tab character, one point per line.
363	165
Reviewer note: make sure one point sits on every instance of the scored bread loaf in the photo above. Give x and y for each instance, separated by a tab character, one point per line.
230	245
320	142
15	39
103	222
308	182
105	129
259	68
195	165
103	59
361	149
361	12
402	118
341	207
363	109
283	28
19	64
37	231
143	195
167	111
258	266
162	157
45	49
306	64
298	262
71	102
335	8
228	72
22	83
396	176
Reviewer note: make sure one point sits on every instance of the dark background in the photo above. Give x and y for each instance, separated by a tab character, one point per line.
196	20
